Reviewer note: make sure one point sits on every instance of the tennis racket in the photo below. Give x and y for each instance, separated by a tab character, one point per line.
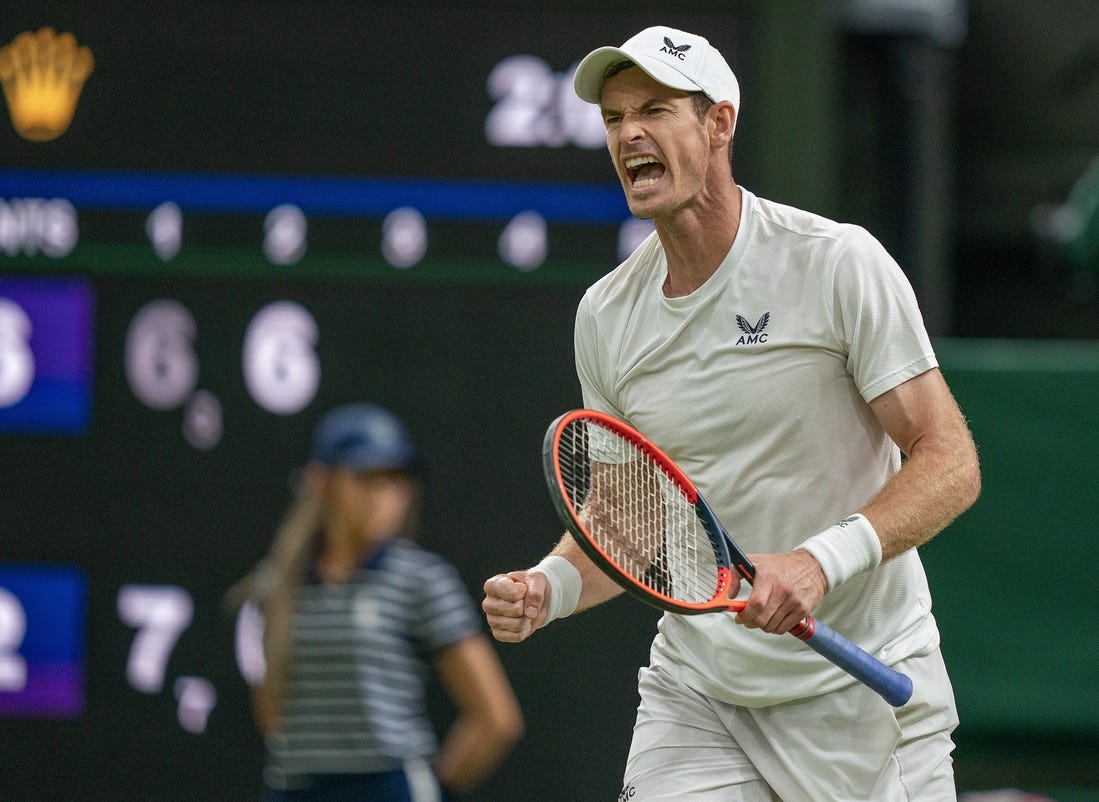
640	519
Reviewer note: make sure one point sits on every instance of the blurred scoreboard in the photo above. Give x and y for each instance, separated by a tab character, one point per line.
41	641
363	132
218	221
46	333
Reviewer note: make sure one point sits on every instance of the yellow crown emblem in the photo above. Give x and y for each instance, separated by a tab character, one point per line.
42	74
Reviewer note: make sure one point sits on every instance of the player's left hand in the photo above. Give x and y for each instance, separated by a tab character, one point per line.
786	589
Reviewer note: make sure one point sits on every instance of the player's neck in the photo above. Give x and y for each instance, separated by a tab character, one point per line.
697	239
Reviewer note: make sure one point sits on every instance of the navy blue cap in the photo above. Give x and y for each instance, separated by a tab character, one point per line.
364	437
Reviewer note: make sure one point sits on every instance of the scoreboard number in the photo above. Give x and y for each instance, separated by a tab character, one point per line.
16	357
281	367
13	628
536	107
160	614
160	360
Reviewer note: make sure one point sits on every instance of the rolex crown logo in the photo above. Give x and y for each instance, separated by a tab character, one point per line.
42	74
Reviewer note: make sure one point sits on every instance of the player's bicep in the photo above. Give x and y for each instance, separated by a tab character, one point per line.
922	413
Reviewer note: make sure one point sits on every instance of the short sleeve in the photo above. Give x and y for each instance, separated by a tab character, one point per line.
876	315
591	361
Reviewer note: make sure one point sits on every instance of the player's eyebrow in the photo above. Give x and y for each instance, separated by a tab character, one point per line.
648	104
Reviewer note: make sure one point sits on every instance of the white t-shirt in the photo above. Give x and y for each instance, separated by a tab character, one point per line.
758	384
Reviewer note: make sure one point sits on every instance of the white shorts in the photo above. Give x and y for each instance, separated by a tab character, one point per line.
846	746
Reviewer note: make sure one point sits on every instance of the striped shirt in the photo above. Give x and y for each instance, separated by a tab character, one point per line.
356	696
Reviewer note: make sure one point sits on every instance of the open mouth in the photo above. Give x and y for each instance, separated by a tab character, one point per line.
644	171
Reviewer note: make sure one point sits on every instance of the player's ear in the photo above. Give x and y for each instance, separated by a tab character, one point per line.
721	120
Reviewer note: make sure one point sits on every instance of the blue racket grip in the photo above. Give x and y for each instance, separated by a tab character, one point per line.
892	685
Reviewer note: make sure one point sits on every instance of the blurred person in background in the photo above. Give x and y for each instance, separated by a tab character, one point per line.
357	617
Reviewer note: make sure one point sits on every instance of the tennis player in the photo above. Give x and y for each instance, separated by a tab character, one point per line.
781	359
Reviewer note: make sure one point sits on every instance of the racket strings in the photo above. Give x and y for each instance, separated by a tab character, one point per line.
636	514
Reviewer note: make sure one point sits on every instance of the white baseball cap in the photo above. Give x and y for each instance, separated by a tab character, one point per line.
675	58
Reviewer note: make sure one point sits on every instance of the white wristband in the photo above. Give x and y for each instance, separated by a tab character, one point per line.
564	583
843	550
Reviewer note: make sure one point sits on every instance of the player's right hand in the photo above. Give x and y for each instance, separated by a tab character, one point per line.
515	604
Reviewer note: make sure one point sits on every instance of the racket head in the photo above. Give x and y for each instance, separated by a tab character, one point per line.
636	514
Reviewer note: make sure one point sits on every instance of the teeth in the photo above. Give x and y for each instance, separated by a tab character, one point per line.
637	161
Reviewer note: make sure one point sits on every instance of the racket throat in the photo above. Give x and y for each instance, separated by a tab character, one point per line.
724	583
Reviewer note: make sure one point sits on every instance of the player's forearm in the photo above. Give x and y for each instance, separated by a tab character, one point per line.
939	480
596	586
937	483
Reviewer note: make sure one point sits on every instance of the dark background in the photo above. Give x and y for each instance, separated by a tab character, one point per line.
941	144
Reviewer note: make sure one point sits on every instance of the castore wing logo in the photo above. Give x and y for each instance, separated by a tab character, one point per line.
674	50
752	334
